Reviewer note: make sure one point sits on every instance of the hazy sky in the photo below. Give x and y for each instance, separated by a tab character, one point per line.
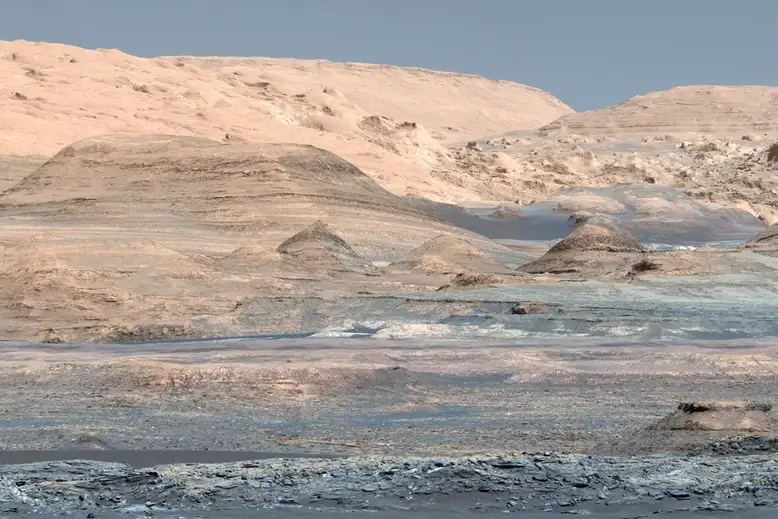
589	53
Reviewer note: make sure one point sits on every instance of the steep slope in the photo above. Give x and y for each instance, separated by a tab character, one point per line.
723	110
53	95
453	106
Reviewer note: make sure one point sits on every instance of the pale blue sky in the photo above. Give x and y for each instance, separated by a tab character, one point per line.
588	53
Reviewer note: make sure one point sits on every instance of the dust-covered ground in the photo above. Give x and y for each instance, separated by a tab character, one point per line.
434	425
364	396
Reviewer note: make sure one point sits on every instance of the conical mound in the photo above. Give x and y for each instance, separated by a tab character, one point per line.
700	426
766	242
317	246
447	254
251	254
596	249
593	237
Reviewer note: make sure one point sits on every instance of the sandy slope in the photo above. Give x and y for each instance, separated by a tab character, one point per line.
732	110
456	107
53	95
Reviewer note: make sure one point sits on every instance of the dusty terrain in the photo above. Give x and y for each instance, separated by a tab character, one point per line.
371	396
396	124
409	263
485	419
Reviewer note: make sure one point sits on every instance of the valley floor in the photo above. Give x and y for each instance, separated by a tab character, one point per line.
471	409
361	397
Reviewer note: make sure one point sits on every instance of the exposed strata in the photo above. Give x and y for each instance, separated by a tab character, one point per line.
766	242
700	426
514	483
594	250
709	109
316	102
166	229
318	247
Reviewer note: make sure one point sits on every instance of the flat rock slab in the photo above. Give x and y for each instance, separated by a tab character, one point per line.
395	485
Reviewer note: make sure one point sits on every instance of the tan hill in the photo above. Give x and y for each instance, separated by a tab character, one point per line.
174	233
394	123
730	110
449	255
271	190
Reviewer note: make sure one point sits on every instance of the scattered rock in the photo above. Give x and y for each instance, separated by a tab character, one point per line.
531	308
473	280
720	416
530	484
580	217
644	265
